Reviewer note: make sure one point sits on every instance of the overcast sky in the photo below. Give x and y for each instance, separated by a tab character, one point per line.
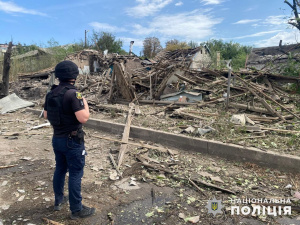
258	23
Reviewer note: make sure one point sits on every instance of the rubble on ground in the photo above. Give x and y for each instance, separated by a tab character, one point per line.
185	97
156	186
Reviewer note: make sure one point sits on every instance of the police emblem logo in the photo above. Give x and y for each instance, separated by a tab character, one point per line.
214	206
78	95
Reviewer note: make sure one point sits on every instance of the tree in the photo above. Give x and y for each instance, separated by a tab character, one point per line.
193	44
107	41
229	50
175	44
151	47
295	22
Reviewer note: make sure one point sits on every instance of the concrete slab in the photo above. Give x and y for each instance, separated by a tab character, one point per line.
228	151
13	102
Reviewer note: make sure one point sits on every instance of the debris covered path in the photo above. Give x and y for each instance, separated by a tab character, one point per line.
144	194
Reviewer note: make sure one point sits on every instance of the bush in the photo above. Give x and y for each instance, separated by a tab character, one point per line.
228	50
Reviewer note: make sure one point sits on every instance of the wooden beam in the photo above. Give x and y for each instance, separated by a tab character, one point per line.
122	83
186	79
268	97
162	85
164	150
125	137
211	72
8	166
166	102
103	83
112	87
265	104
221	99
250	108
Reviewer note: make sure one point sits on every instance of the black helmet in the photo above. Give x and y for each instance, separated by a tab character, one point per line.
66	70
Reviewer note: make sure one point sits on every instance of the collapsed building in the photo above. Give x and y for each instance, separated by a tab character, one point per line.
273	59
180	77
131	76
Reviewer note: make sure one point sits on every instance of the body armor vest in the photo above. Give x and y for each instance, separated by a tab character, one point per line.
55	112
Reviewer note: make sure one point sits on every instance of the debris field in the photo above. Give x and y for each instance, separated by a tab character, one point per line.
132	181
155	186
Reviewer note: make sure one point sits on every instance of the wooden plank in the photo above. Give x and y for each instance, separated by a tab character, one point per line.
122	83
162	85
103	83
281	130
221	99
203	113
186	79
249	107
268	97
166	102
228	89
164	150
211	72
125	137
265	104
253	117
88	86
151	92
8	166
112	87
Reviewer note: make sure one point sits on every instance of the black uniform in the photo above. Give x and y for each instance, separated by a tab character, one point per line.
61	104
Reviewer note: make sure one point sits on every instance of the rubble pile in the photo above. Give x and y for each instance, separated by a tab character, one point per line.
203	101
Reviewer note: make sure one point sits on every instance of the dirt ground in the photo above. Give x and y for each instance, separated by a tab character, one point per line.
26	195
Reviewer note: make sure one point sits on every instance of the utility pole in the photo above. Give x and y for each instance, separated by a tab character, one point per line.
85	31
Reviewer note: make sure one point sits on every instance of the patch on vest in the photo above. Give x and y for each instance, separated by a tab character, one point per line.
78	95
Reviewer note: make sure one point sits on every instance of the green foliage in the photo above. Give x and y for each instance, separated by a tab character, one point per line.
59	52
175	44
105	40
151	47
22	49
292	67
31	63
295	88
123	52
229	50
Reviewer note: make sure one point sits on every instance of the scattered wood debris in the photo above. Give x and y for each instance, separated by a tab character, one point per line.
196	96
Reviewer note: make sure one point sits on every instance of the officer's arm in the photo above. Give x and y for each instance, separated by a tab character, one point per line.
84	114
45	114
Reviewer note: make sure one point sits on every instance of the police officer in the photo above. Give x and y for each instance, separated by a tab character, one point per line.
67	110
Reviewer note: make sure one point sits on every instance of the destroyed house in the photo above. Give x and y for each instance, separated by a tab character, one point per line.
88	61
273	59
31	61
194	58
